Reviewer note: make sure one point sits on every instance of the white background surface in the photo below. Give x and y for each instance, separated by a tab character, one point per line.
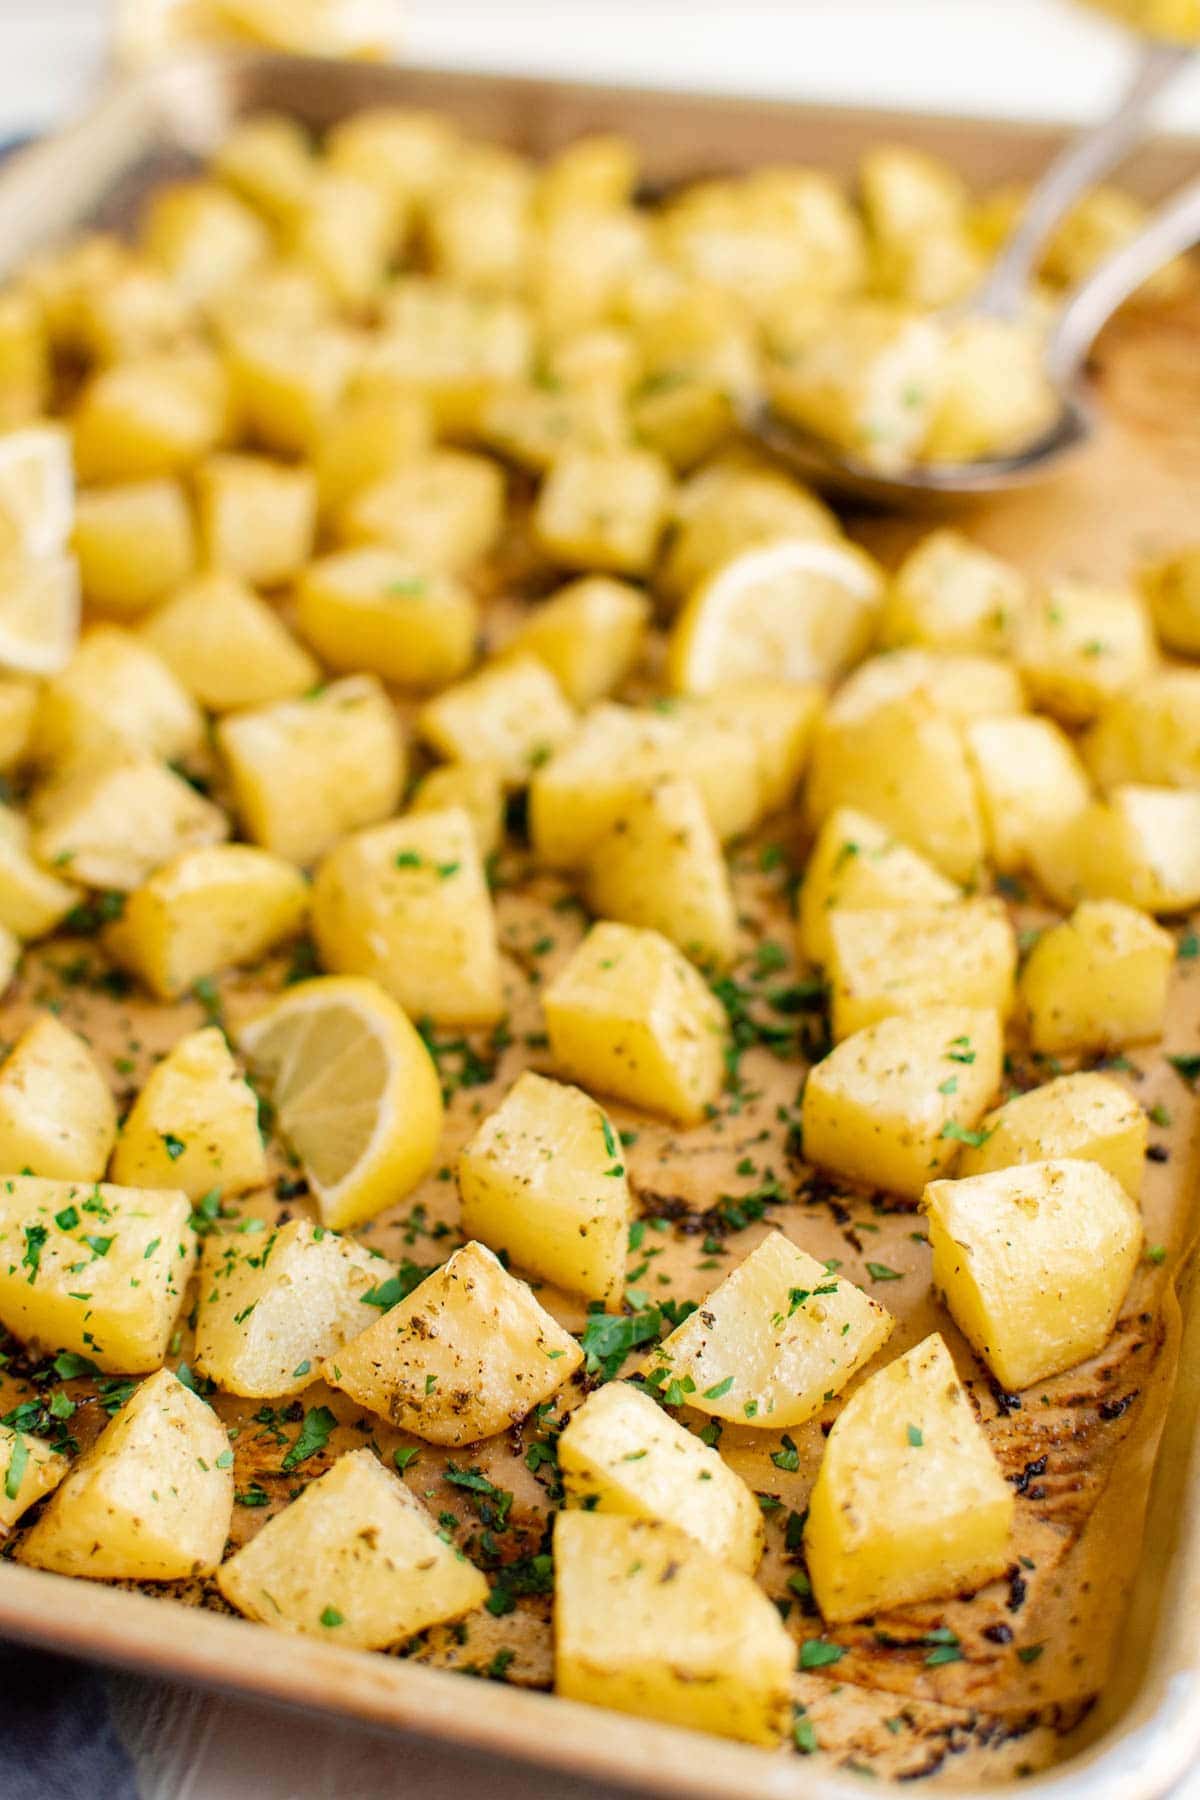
1021	58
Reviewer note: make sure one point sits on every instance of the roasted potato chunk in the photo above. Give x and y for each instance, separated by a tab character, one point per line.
1088	1116
512	715
1097	980
885	961
373	609
856	864
227	647
194	1125
57	1115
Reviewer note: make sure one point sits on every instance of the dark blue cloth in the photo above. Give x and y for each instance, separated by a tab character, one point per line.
57	1738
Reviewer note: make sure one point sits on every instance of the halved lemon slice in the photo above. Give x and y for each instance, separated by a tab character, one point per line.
37	490
355	1091
39	613
796	610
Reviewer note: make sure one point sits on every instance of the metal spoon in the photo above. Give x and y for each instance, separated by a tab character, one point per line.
1174	229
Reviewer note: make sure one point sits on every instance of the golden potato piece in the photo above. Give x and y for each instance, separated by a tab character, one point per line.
1172	592
1080	645
257	518
135	542
194	1125
511	714
229	648
856	863
57	1116
589	634
374	609
603	510
1151	734
476	788
32	901
115	694
29	1469
203	237
1140	846
112	824
888	961
951	594
1032	786
155	416
442	511
1088	1116
1097	980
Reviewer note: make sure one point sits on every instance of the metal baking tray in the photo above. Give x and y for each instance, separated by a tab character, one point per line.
1145	1734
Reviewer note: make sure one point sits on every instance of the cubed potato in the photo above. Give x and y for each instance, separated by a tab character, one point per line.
892	961
229	648
288	379
856	863
778	716
909	1503
24	357
951	594
869	380
1080	645
684	418
532	423
629	1015
996	398
18	709
347	231
139	312
581	261
660	865
1097	981
155	416
268	161
406	904
1150	734
1032	786
203	237
375	609
32	901
135	542
646	1622
893	1105
1106	217
355	1560
599	170
959	683
209	909
442	511
604	510
1088	1116
905	764
621	1453
269	1311
908	195
29	1469
97	1269
115	694
57	1116
479	225
775	1340
578	794
1172	592
589	635
1034	1262
477	788
152	1499
1140	846
60	280
279	296
10	956
732	506
543	1181
467	1354
379	426
258	518
194	1125
112	823
512	715
401	147
453	348
305	772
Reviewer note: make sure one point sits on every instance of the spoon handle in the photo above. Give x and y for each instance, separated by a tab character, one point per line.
1085	160
1173	229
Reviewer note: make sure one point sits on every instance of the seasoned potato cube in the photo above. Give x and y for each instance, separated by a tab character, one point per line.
401	148
135	542
228	648
477	788
582	260
646	1622
288	379
258	519
49	1228
375	609
208	909
660	865
112	824
589	635
29	1469
1034	1262
406	904
621	1453
532	424
905	764
1172	592
1087	1116
346	231
856	863
1080	645
1097	981
543	1181
1150	734
996	397
775	1340
958	683
203	237
18	709
305	772
157	415
443	511
683	418
512	715
896	1102
604	510
631	1016
732	506
32	901
909	1502
151	1500
478	224
268	1314
194	1125
378	427
137	313
356	1560
57	1116
268	161
912	201
453	348
953	595
1032	786
468	1353
778	716
888	961
115	694
1140	846
24	357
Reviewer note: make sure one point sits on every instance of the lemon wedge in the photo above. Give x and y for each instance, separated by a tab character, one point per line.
355	1091
37	490
796	610
39	613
